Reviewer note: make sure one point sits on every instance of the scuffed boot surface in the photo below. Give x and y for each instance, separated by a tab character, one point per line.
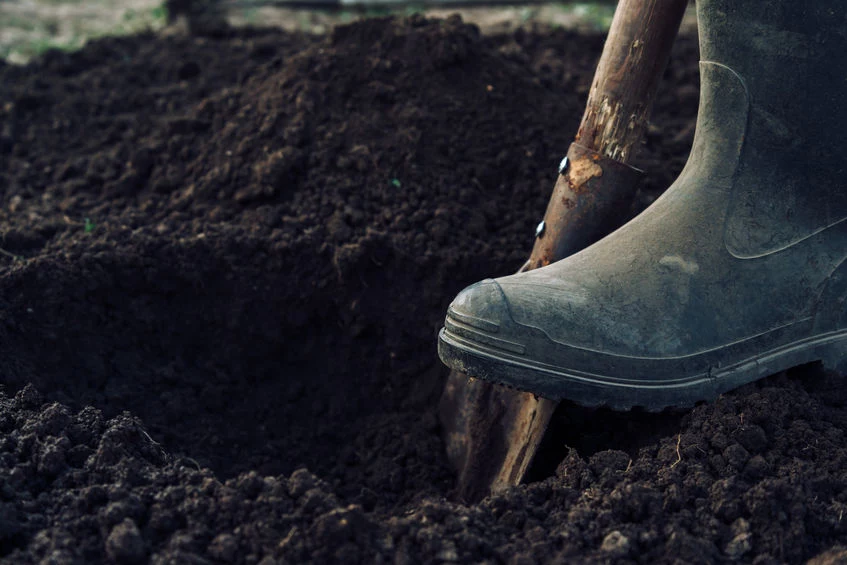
735	273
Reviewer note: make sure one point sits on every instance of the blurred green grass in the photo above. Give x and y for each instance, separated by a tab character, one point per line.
30	28
27	30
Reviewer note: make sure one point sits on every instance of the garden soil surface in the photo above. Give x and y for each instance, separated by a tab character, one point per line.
224	262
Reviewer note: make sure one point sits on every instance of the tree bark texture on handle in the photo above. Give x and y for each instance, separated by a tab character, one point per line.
634	58
492	432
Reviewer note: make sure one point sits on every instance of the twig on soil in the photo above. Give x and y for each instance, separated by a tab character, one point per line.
628	466
157	444
10	254
192	461
150	439
678	454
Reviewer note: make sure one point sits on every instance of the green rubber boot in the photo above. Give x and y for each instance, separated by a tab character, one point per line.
737	272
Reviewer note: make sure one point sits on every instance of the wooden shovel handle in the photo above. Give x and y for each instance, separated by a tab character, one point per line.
634	58
595	189
492	433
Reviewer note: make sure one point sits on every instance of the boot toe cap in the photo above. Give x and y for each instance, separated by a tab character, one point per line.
481	305
479	314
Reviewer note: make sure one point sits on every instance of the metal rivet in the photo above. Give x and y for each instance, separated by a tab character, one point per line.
563	165
539	229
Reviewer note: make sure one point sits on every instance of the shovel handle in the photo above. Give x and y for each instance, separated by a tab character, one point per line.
596	184
492	433
634	58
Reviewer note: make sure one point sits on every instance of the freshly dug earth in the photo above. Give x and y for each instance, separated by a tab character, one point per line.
224	262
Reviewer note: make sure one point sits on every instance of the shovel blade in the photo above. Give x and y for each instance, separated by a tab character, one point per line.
491	433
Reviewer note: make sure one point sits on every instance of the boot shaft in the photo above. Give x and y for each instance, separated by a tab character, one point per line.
791	56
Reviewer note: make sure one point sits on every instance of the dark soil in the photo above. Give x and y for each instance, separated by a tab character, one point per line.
224	262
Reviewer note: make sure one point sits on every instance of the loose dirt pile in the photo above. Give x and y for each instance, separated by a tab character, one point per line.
224	262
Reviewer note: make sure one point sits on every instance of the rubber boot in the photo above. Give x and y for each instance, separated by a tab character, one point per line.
736	272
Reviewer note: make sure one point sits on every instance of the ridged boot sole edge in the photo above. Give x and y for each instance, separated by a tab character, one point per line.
595	390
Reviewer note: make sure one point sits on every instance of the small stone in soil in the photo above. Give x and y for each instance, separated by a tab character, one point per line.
124	544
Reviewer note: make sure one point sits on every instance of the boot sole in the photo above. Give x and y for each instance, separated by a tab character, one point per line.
479	360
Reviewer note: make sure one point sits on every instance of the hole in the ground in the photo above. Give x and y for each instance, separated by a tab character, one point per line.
238	368
590	430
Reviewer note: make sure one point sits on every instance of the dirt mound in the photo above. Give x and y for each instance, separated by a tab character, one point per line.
248	242
201	264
